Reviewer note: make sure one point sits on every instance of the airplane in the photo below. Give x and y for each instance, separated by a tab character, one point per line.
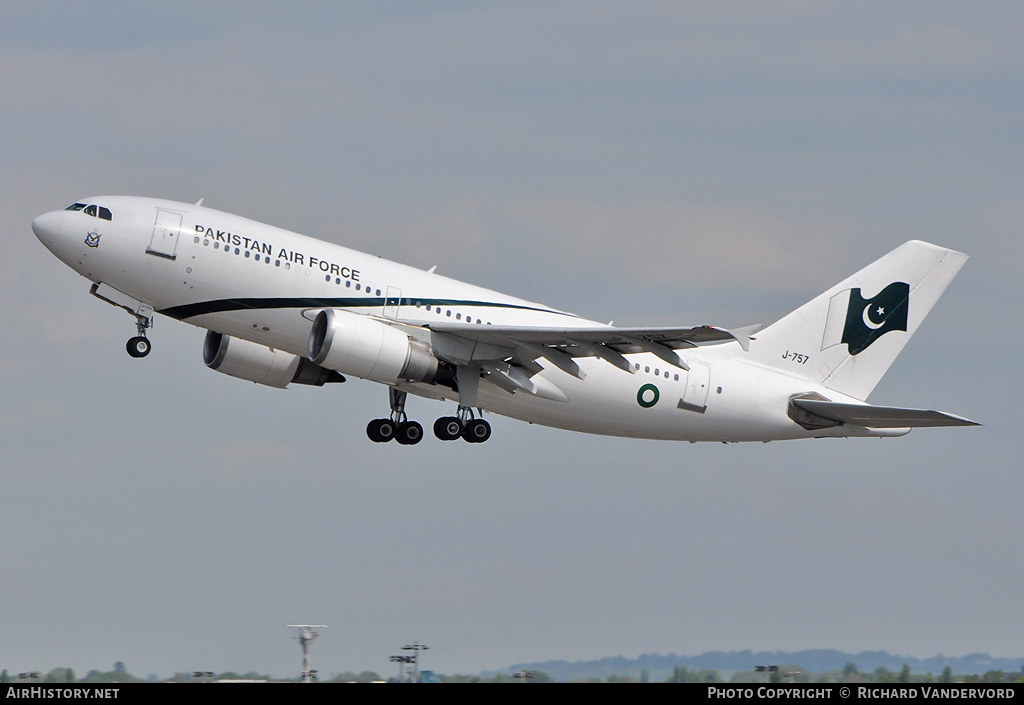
281	308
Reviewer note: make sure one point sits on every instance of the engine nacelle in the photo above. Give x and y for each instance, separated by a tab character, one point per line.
258	363
365	347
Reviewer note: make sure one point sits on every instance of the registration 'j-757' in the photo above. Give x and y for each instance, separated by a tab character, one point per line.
798	358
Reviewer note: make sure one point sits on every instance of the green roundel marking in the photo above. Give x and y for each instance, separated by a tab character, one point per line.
647	396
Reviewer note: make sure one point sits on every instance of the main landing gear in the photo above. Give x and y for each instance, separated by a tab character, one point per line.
399	427
465	425
472	430
408	433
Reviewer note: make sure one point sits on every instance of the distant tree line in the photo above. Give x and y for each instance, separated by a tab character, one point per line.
794	673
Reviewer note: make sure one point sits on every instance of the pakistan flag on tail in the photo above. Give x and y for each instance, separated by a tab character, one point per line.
846	338
858	322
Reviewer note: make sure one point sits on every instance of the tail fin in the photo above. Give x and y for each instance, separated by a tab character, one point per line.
846	338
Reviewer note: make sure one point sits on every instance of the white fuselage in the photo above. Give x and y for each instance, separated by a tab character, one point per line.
260	283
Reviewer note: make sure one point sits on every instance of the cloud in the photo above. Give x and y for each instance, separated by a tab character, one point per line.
682	244
637	242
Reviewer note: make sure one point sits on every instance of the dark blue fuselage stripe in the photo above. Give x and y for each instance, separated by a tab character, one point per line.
222	305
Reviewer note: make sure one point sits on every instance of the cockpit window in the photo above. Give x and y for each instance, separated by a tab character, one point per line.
94	211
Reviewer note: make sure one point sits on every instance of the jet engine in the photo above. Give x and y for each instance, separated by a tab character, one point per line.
365	347
260	364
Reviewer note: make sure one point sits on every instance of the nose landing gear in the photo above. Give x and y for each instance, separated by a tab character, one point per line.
139	346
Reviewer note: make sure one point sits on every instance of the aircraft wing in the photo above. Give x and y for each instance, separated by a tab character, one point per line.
560	345
603	335
880	416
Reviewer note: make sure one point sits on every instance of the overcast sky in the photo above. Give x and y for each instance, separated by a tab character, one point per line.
651	163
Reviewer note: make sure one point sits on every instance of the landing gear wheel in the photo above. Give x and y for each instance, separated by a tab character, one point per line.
448	428
381	430
477	431
409	433
138	346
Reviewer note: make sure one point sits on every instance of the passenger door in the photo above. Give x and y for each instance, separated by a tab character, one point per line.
166	233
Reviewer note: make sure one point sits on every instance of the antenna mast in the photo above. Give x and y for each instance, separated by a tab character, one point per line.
306	636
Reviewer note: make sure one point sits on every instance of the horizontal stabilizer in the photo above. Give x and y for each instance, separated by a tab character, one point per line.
880	416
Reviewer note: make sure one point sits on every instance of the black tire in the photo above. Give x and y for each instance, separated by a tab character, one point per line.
409	433
386	429
477	431
448	428
380	430
138	346
371	431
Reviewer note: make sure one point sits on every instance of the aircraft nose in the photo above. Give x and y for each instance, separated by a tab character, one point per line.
47	226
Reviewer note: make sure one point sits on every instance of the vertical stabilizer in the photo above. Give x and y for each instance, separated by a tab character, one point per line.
846	338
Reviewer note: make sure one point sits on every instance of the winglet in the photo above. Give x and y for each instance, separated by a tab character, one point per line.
743	335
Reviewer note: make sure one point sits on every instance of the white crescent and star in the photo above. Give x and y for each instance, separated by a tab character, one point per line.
867	317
